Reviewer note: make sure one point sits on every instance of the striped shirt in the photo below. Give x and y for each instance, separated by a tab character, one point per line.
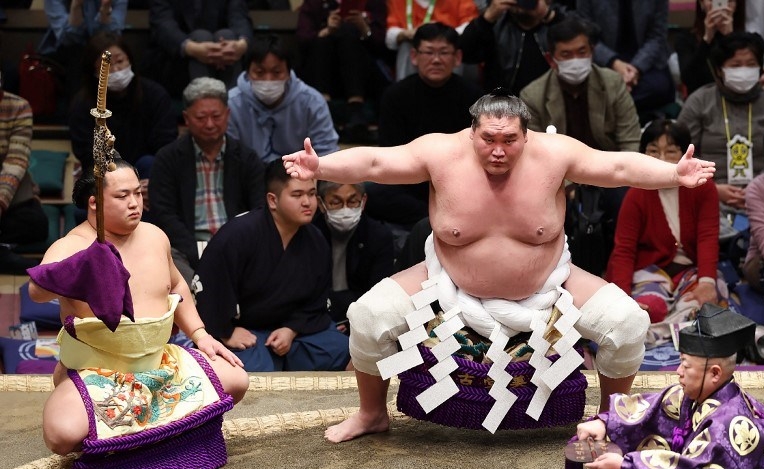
210	212
15	138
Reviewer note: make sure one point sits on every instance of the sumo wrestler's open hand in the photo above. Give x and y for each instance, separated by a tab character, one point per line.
302	164
212	348
692	172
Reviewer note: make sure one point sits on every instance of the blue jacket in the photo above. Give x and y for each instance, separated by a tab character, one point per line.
275	132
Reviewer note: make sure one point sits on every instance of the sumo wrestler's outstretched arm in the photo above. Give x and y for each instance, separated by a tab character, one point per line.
613	169
403	164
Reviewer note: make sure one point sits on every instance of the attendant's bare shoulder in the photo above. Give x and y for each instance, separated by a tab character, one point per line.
78	239
150	233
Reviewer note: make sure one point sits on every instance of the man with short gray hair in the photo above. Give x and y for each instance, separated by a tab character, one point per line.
204	178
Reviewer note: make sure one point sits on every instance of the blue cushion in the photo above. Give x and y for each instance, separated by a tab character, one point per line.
14	351
751	303
47	316
47	170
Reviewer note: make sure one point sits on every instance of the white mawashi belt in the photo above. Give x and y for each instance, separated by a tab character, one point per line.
498	320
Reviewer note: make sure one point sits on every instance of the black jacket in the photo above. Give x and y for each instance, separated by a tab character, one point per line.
370	258
172	189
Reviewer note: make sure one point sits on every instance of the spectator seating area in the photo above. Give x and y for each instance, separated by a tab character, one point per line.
54	167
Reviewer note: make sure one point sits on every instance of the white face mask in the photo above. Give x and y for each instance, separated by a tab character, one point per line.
268	91
574	71
740	79
119	80
344	219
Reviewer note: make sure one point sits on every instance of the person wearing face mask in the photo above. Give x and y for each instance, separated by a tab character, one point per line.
726	118
509	37
693	46
142	118
272	110
589	103
362	248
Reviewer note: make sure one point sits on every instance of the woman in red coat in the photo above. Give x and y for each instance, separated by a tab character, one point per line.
667	241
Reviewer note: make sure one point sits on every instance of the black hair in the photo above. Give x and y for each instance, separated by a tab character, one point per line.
676	133
500	104
433	31
85	186
91	60
738	18
276	176
270	44
733	42
569	28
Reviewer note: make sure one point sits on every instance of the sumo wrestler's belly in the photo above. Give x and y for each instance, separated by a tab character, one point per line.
500	267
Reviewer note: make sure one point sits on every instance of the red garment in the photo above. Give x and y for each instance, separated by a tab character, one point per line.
453	13
643	236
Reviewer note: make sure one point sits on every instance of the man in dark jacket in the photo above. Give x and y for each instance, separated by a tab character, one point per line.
510	38
205	178
362	248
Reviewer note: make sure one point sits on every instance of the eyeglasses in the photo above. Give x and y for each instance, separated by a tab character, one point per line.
431	54
336	204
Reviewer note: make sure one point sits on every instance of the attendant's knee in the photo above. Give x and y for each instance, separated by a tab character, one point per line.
238	384
57	440
59	433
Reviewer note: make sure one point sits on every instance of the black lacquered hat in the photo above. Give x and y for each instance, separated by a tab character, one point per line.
716	332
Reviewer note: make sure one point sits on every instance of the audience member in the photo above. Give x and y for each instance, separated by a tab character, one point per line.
434	99
71	24
197	39
264	280
131	361
753	267
339	56
510	39
706	420
205	178
22	220
362	248
405	16
726	118
271	109
591	104
667	242
633	42
692	46
142	118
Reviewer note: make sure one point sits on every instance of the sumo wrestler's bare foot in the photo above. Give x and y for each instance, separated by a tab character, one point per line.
360	423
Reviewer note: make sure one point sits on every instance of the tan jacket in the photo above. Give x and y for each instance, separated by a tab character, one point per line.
612	115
